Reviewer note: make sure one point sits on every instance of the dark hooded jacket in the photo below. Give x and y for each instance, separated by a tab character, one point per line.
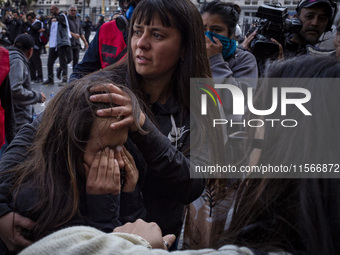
24	97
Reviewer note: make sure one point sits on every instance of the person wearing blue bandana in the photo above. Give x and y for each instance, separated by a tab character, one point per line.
228	45
226	60
206	217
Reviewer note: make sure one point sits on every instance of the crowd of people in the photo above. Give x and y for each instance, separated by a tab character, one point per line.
107	167
14	23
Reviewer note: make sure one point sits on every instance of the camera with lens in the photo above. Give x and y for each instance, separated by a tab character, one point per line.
273	23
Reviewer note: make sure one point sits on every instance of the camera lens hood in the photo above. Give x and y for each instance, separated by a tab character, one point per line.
122	22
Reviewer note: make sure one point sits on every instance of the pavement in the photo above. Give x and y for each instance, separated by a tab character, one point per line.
51	90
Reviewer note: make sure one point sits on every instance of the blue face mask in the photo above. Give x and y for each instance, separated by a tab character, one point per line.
229	45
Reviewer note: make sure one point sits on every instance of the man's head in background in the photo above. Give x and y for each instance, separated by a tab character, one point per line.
317	17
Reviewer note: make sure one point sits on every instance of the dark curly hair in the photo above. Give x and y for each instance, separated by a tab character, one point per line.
228	12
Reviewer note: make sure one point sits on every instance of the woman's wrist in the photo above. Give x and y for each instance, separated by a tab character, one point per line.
133	128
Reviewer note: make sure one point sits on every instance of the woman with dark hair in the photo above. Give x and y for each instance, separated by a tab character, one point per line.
163	54
206	216
271	215
71	176
227	62
158	33
165	51
298	214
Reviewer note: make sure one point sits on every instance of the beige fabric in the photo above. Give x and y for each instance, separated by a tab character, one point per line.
87	240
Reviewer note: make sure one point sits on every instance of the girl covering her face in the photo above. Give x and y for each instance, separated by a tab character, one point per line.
71	173
162	155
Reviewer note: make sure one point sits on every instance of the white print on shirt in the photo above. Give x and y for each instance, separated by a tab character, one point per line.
176	133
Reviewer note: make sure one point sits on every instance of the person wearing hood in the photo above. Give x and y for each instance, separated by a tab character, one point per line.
76	32
20	80
87	25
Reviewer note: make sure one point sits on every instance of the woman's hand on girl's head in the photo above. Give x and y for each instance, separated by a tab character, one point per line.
132	173
103	176
213	48
124	109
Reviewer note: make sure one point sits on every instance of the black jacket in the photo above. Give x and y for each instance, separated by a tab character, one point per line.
87	26
162	158
15	28
293	49
33	30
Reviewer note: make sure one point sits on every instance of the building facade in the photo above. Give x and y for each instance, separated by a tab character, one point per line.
94	8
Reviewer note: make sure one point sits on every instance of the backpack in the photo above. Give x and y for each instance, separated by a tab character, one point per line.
4	70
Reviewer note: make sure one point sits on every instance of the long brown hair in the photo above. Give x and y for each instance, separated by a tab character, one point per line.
300	215
53	171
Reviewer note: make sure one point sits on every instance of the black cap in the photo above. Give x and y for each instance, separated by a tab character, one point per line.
330	4
24	42
310	3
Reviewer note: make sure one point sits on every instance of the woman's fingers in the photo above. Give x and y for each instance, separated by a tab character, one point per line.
213	48
110	165
118	111
103	165
126	122
128	166
116	178
110	98
217	41
104	175
248	40
129	157
110	94
92	176
168	241
87	170
132	173
118	156
108	87
123	110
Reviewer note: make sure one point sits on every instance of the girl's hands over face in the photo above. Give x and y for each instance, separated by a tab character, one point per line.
124	109
131	170
103	176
